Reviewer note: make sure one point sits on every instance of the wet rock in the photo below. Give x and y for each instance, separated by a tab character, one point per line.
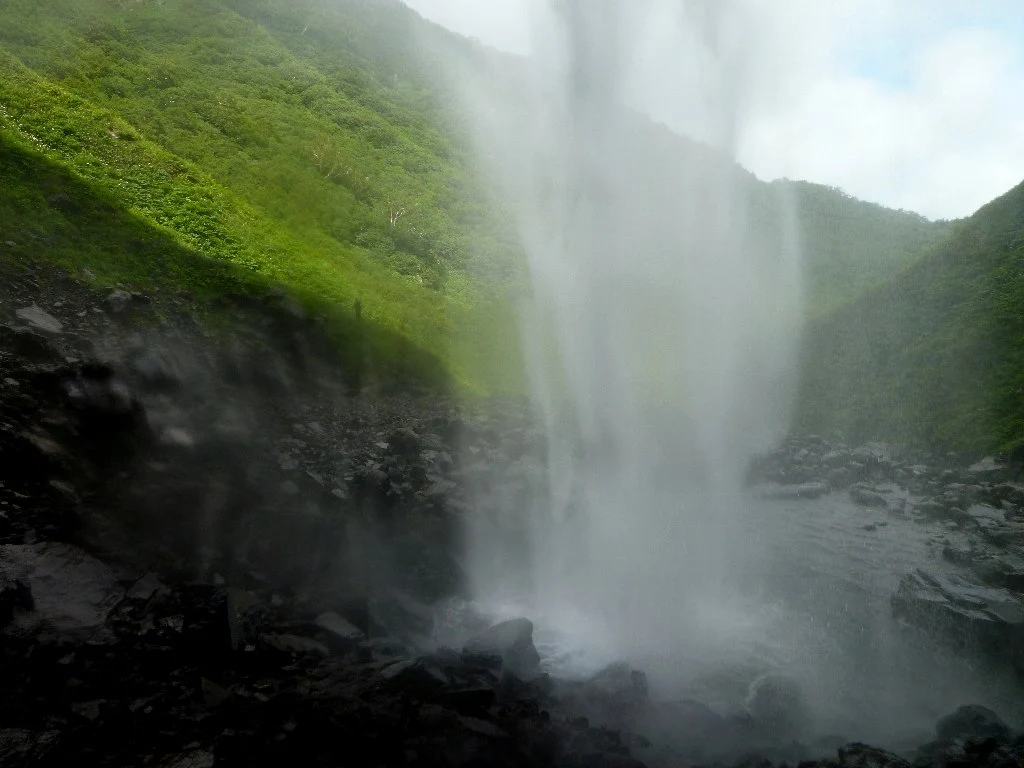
40	320
295	645
932	509
613	695
863	756
512	641
867	497
775	702
98	394
400	615
838	477
986	469
71	592
339	628
799	491
973	722
984	619
1002	570
415	675
15	595
32	346
404	442
23	747
210	623
119	301
196	759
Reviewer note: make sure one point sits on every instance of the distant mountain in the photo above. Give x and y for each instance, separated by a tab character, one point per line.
934	356
851	246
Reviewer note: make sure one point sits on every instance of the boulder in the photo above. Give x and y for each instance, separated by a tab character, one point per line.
15	595
210	624
1003	570
983	619
986	469
39	320
866	496
119	301
972	722
863	756
71	592
800	491
339	628
775	702
512	641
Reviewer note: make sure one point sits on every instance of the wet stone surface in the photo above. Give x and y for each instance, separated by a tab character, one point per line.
214	553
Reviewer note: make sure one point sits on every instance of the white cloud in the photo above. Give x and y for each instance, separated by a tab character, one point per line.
915	104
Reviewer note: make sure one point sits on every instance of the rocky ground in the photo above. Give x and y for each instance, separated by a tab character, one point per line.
215	550
976	512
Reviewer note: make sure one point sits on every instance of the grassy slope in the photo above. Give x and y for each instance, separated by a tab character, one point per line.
198	120
936	355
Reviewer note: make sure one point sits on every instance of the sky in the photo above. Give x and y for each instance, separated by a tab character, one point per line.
914	104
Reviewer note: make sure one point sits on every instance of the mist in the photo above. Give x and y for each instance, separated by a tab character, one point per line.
662	332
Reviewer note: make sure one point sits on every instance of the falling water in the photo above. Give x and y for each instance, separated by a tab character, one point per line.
662	327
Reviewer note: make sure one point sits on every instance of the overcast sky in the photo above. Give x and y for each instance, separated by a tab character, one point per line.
916	104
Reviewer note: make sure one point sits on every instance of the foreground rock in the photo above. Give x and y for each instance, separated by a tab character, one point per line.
211	554
985	620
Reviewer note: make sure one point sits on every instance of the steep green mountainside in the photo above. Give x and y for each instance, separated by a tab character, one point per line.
301	168
228	145
936	355
851	246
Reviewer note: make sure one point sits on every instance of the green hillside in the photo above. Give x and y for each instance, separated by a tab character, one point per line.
851	246
936	355
200	122
228	145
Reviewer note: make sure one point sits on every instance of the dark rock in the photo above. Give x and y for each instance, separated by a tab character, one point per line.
24	747
1003	570
398	614
119	301
987	469
984	619
104	400
513	641
39	320
404	442
339	628
15	594
614	694
800	491
932	509
863	756
972	722
468	700
28	344
295	645
210	625
71	592
775	702
415	675
866	497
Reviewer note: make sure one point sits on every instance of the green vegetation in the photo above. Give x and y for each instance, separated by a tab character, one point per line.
226	146
852	246
936	355
198	121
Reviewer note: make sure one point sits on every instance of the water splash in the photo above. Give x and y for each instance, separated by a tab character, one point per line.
662	327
